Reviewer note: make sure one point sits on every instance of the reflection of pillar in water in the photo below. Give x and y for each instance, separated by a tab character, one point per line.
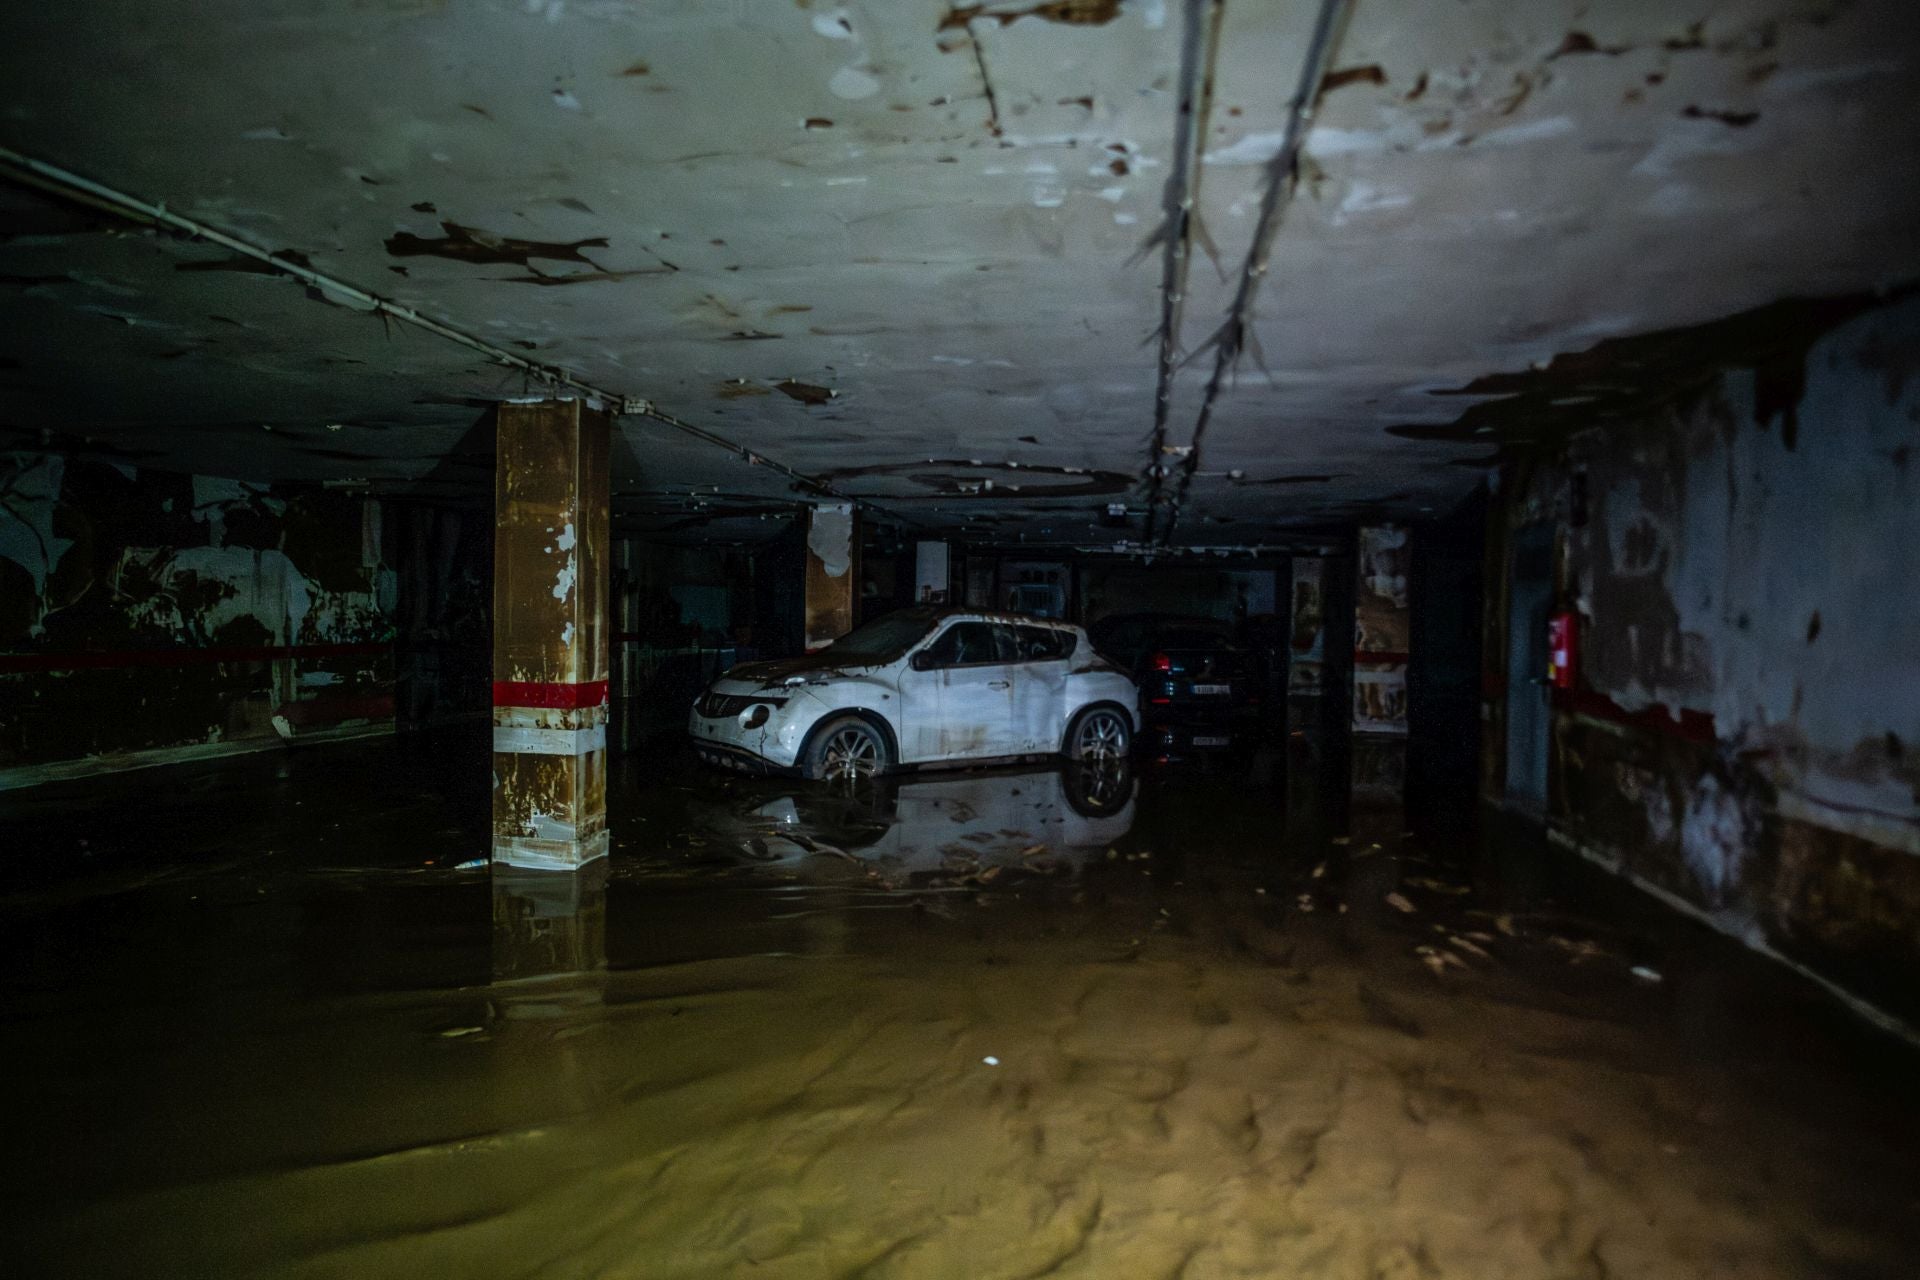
1379	788
549	923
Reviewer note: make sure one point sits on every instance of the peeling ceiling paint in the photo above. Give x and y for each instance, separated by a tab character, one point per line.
922	223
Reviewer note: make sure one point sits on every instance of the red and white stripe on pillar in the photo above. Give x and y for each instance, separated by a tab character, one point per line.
549	718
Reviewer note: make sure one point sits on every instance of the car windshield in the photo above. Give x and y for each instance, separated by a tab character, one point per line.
885	638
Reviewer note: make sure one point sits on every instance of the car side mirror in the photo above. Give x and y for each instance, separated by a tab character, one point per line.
922	661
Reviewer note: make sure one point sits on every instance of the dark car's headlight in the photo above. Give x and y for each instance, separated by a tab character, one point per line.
756	715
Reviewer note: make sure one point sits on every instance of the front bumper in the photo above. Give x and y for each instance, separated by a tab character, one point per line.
740	761
773	746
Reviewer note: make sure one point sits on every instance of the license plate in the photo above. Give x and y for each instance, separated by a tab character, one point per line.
1210	742
1204	689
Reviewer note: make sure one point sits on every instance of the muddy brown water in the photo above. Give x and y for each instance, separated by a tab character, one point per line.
1229	1022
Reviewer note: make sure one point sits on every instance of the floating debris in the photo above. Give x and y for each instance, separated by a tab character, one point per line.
1439	886
1471	948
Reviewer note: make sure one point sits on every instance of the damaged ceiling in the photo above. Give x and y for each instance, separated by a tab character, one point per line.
912	249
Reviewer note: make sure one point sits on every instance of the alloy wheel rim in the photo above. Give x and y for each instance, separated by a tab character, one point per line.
851	755
1101	736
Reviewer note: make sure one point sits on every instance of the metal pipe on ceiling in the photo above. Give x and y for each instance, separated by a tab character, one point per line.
1199	51
1230	340
43	175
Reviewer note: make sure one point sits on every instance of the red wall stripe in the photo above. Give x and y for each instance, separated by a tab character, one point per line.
1687	725
1378	657
549	695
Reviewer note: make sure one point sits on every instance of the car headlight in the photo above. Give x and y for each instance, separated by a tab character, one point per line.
756	715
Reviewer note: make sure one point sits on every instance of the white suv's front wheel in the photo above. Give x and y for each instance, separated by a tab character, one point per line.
846	749
1099	733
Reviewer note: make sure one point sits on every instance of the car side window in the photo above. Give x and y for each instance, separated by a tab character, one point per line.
965	644
1042	644
1006	643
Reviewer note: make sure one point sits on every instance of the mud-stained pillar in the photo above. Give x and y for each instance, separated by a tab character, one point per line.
550	637
1307	631
833	546
1382	632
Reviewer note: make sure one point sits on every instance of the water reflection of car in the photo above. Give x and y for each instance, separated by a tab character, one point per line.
1199	691
1033	818
920	686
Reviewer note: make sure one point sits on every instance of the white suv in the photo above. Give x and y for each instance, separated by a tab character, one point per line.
920	686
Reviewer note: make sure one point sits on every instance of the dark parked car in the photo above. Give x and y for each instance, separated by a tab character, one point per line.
1198	690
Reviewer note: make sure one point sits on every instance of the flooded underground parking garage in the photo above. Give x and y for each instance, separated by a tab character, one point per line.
1116	638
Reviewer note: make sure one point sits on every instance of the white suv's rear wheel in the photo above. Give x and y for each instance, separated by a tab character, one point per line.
1099	733
847	749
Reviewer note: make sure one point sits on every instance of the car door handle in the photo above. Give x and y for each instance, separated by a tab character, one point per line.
999	684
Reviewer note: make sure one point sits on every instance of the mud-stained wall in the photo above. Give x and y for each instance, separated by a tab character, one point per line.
145	611
1742	729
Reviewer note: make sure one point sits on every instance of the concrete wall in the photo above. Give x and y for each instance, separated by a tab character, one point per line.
1744	734
148	616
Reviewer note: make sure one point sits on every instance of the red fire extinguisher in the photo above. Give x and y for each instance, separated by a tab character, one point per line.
1563	647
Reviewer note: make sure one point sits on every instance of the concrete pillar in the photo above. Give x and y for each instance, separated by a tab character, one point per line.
932	575
833	550
550	636
1382	633
1307	631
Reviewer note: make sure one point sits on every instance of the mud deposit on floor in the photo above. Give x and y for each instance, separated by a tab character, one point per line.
978	1026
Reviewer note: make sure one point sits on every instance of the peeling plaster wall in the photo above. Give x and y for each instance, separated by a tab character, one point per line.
1743	734
145	612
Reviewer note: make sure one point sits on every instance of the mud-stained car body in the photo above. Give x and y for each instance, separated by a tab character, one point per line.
928	685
